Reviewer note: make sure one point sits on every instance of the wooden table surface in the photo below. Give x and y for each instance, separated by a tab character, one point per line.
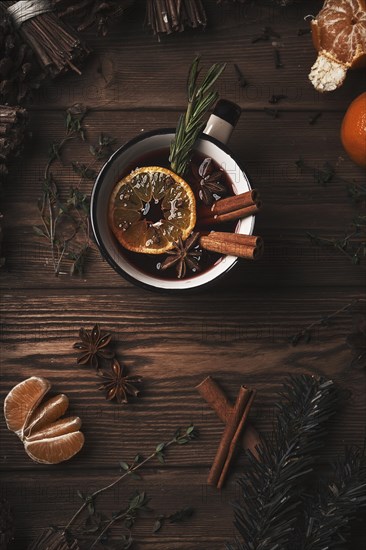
238	332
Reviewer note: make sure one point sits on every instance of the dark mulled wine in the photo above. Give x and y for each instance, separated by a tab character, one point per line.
208	182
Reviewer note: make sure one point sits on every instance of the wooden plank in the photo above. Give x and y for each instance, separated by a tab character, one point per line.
131	69
174	344
40	497
294	203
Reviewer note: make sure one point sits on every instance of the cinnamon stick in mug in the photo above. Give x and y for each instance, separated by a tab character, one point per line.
233	244
236	202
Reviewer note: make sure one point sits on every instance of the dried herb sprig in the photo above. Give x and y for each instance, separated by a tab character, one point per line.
201	97
137	503
352	244
339	500
180	437
265	518
177	517
63	222
306	333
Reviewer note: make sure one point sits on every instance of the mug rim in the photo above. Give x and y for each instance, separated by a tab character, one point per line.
94	223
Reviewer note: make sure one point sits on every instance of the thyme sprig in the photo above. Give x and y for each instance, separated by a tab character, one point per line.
201	97
352	244
306	333
65	223
136	504
180	437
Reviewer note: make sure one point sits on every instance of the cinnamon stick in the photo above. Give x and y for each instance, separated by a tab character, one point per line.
214	396
234	244
235	441
227	437
232	216
236	202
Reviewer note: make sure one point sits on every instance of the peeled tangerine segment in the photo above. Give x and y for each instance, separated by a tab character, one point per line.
61	427
56	449
21	402
46	413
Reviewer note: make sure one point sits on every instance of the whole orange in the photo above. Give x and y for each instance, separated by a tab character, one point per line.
353	131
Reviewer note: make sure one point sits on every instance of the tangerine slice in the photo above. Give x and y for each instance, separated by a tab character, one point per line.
46	438
54	450
339	35
21	401
150	209
46	413
60	427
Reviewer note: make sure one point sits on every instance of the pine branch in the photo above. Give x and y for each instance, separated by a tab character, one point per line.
340	498
266	515
201	97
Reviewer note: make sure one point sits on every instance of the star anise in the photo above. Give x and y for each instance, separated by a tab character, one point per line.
93	346
184	255
117	385
209	181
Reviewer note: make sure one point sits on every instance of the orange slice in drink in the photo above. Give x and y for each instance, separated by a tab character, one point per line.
151	209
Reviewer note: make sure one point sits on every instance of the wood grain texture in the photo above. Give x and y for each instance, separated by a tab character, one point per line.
129	73
238	332
174	345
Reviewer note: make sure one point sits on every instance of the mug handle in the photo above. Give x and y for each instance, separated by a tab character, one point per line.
223	120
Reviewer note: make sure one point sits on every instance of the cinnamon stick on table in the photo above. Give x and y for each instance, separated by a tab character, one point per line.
211	392
230	431
234	244
234	442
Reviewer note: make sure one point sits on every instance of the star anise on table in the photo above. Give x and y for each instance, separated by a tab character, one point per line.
209	181
118	385
184	255
93	346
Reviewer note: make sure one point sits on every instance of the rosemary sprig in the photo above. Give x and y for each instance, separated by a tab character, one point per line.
339	500
201	97
266	515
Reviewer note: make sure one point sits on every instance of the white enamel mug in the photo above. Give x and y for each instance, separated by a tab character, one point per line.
212	143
